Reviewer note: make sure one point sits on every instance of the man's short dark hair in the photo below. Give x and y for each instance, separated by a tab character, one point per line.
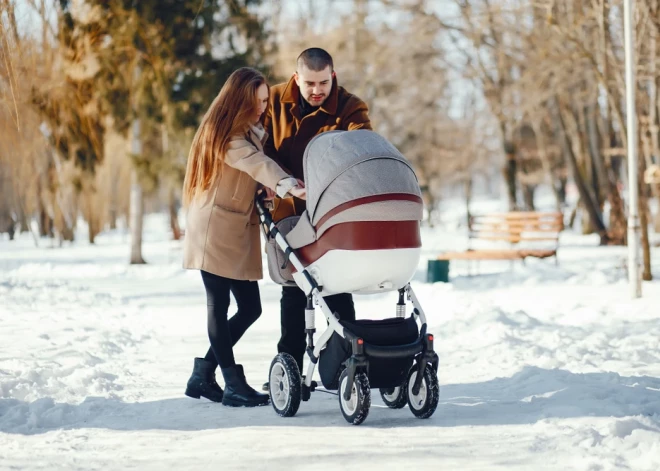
315	59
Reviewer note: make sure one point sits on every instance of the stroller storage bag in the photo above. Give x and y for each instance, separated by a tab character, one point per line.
383	372
279	269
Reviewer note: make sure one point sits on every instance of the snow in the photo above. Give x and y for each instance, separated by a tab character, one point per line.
542	366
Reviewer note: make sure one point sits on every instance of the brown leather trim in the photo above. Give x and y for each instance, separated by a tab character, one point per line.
367	200
363	235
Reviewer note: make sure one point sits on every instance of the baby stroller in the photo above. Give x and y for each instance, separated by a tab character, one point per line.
358	234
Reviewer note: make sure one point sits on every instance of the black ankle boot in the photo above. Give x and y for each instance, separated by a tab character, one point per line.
202	382
237	392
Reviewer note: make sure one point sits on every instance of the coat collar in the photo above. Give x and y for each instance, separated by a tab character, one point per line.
291	94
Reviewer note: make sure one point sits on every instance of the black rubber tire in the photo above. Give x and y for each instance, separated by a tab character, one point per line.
399	401
363	391
287	405
424	407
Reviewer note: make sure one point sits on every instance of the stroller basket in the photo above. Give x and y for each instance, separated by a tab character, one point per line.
391	345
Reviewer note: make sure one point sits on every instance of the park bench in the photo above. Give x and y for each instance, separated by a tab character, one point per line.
514	236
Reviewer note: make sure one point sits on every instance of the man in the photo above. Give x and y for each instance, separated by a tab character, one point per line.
310	103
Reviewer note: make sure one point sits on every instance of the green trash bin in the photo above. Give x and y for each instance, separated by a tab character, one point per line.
437	270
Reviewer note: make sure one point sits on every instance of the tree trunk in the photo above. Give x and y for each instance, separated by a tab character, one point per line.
468	199
541	145
582	152
654	118
656	218
112	204
643	209
561	191
600	172
65	204
174	219
112	217
44	222
585	195
136	200
509	172
430	203
91	214
136	219
528	197
573	215
590	151
618	230
23	224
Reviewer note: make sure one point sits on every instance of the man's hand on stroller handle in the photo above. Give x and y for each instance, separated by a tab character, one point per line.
299	191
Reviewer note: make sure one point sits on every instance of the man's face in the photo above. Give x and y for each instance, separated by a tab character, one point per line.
314	86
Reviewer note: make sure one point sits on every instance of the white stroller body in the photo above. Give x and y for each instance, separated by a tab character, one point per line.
359	234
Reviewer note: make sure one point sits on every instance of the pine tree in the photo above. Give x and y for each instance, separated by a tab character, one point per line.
160	64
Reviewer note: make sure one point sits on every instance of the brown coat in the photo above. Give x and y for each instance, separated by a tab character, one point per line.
222	228
289	134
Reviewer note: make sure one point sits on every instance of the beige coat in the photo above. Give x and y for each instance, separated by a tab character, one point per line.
222	225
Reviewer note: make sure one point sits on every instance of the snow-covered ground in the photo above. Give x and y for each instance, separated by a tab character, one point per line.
542	367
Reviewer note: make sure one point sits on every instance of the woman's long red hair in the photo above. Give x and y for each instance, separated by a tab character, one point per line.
230	114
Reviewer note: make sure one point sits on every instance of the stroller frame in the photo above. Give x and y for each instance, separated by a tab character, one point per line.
422	349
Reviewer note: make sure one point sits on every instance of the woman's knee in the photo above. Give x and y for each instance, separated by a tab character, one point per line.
251	314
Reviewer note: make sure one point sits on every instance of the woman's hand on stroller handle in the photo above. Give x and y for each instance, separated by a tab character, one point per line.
270	194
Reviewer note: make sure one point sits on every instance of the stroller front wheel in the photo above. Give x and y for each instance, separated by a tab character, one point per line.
424	403
356	409
285	385
395	398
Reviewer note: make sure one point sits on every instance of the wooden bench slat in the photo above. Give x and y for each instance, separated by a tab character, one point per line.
538	253
513	230
489	254
513	237
482	255
520	215
515	225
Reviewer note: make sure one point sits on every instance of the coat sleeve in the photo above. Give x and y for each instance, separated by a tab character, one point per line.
244	156
269	145
357	116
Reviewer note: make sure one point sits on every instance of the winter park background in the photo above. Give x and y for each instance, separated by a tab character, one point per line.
542	365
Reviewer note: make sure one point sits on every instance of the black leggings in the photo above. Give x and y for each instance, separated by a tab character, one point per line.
292	305
223	333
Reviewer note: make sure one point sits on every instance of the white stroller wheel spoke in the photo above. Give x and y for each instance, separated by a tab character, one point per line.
284	385
417	400
280	386
395	398
351	404
356	408
424	403
395	393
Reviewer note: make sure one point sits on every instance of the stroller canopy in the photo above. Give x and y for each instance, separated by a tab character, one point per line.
354	176
342	166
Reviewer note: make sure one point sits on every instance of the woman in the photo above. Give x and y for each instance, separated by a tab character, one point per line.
226	164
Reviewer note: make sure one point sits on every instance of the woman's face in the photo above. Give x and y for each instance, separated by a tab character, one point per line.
262	101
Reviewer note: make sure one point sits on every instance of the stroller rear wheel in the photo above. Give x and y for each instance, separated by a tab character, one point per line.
356	409
395	398
285	386
424	403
